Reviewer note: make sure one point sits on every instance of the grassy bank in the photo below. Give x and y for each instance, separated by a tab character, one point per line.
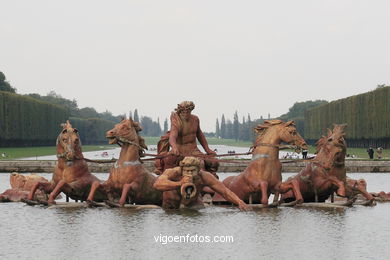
21	152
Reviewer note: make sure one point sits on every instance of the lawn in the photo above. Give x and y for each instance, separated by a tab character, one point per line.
21	152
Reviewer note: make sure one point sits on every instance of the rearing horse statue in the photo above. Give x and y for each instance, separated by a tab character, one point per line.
326	173
71	174
128	178
263	175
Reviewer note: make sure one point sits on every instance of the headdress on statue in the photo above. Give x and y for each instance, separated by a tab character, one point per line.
185	105
190	161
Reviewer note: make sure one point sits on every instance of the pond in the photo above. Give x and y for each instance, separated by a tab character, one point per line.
283	233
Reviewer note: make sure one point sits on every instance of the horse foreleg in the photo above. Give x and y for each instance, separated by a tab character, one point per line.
294	186
53	195
264	192
94	186
125	191
340	185
46	186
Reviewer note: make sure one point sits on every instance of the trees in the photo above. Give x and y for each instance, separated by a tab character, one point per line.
88	112
4	84
367	116
217	129
26	121
223	127
236	127
150	128
165	126
136	116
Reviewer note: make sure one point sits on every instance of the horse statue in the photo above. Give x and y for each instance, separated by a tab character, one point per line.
21	186
326	173
71	174
381	196
128	177
263	175
359	187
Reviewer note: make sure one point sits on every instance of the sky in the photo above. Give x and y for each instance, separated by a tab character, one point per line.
256	57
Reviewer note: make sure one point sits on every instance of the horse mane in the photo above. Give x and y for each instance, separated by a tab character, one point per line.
262	128
141	140
65	127
338	133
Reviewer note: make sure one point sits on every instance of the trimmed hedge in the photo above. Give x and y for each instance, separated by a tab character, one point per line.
24	121
367	116
92	130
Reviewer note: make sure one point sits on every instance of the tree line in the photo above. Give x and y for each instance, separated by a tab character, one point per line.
367	117
243	130
25	121
34	120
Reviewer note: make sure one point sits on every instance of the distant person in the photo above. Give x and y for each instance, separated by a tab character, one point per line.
370	152
379	151
3	155
304	153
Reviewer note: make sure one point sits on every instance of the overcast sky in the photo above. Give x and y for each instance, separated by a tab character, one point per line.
255	57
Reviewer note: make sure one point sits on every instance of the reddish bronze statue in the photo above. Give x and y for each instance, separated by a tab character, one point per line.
21	186
182	186
326	173
128	179
263	175
71	174
185	131
381	196
356	187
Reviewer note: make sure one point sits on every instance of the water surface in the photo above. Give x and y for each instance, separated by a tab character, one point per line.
287	233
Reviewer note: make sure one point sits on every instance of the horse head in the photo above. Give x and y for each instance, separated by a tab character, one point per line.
283	132
17	180
331	149
126	132
68	143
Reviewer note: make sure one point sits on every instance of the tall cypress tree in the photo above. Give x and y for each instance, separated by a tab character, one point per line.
217	129
236	124
136	117
4	84
165	125
223	127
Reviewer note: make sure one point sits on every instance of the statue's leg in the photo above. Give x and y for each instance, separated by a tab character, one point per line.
264	192
125	191
294	186
53	195
340	185
94	186
45	186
